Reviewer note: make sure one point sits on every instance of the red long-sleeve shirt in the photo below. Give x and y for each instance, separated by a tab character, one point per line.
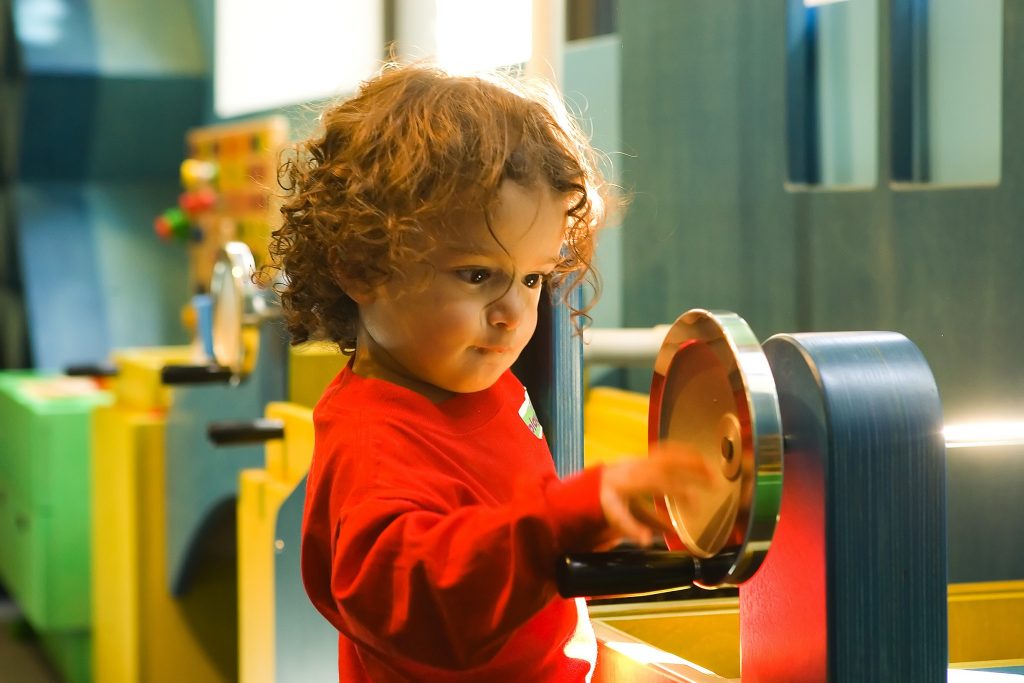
431	534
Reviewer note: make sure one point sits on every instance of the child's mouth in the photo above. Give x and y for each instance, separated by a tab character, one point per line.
496	350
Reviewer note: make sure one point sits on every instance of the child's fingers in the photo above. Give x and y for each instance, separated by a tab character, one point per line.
645	513
683	473
625	524
680	460
628	487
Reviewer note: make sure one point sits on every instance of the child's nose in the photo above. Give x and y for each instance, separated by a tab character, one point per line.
508	311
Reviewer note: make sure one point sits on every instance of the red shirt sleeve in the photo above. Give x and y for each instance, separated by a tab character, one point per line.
419	574
458	583
431	535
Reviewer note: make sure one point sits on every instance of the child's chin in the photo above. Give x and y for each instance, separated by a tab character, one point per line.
476	384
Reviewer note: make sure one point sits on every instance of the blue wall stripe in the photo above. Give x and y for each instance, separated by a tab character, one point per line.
58	122
66	313
56	42
139	127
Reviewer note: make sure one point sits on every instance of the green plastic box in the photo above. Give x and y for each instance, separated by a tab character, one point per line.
44	508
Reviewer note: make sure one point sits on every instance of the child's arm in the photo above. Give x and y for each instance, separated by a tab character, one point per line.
448	588
628	488
413	578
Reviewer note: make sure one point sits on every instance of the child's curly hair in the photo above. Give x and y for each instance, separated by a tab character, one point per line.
413	147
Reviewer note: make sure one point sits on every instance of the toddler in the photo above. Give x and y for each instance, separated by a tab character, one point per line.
424	224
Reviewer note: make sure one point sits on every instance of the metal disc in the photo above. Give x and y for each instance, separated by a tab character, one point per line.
713	392
237	309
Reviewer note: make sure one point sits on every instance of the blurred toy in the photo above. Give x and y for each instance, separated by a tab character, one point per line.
198	173
173	224
185	221
198	201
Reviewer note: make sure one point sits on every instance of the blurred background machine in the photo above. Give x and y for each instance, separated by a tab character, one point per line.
204	632
167	605
141	632
170	602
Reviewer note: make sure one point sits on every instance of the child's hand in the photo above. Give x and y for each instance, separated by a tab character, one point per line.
629	487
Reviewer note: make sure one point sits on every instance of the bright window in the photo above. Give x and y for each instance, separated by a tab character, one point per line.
947	91
270	53
832	93
464	36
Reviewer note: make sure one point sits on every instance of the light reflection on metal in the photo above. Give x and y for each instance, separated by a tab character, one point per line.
238	309
984	434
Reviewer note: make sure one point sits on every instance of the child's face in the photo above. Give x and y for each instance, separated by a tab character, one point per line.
477	309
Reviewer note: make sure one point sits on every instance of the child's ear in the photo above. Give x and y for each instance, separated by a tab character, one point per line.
360	292
363	297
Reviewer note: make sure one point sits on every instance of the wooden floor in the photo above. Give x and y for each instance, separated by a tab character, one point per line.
20	659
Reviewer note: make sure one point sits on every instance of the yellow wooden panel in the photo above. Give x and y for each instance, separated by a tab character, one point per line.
705	632
288	459
627	401
259	500
115	571
140	632
311	368
986	621
255	580
986	627
178	639
614	425
622	657
261	494
596	452
138	382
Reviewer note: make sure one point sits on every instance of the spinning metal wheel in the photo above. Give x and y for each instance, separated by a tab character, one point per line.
714	396
239	308
713	391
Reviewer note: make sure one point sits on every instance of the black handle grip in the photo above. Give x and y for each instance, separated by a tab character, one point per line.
622	573
91	370
195	374
244	432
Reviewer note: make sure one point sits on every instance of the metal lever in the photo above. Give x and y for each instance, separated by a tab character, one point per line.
91	370
619	573
195	374
243	432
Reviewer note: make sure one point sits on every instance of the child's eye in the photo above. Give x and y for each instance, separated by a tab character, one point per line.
474	276
533	280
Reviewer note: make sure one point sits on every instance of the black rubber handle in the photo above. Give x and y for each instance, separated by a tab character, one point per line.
195	374
622	573
91	370
243	432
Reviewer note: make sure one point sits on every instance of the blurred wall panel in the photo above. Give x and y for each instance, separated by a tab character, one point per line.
714	224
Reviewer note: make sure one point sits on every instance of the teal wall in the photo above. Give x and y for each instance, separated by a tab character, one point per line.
965	44
105	91
847	55
713	224
591	85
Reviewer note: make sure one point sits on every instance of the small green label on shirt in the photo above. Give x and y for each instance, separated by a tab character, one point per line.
529	416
